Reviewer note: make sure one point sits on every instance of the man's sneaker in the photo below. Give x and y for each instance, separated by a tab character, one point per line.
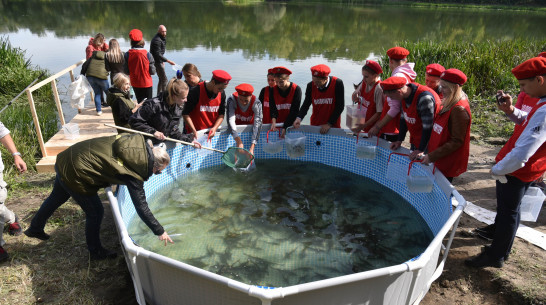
37	234
103	253
487	232
3	255
15	228
483	260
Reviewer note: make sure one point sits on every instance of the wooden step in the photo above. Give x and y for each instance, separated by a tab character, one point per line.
46	165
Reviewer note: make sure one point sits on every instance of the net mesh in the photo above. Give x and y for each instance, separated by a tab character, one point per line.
237	157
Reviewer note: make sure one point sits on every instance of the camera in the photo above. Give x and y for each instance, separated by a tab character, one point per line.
499	97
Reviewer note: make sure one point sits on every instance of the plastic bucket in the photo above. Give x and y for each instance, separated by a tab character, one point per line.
355	115
71	131
274	144
364	149
397	168
531	203
295	144
419	183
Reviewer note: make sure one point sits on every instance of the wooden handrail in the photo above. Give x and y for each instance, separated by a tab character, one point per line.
55	76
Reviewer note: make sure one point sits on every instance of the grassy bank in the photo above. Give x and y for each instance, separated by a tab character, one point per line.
16	73
487	66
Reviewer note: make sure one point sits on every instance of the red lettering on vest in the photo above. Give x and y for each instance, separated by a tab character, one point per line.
456	163
324	104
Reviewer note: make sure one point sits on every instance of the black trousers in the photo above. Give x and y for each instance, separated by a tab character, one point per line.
509	197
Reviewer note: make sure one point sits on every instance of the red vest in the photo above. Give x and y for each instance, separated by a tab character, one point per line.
205	113
283	104
392	125
536	165
265	107
324	104
413	121
244	117
368	102
527	104
456	163
139	68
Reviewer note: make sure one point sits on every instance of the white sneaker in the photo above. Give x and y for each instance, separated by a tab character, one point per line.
99	113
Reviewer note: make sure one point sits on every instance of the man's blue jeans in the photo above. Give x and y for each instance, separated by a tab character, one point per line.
99	86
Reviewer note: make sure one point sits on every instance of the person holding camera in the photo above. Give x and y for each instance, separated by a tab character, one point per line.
521	161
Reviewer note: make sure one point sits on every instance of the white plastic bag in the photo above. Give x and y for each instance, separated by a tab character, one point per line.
77	91
205	141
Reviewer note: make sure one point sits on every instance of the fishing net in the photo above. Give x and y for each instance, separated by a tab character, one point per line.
237	157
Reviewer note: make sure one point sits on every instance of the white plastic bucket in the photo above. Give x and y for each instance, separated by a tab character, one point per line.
71	131
419	183
274	144
295	144
531	203
364	149
355	115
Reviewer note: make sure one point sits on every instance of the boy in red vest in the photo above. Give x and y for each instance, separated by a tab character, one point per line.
326	93
243	108
419	104
285	99
206	105
432	77
264	96
521	161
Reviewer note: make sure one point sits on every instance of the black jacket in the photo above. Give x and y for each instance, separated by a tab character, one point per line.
157	48
155	115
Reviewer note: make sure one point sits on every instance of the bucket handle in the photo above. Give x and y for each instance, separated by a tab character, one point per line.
358	136
419	161
267	136
395	153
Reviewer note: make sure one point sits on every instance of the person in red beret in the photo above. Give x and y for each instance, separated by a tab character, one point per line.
420	104
264	96
140	66
449	144
369	95
388	125
326	94
520	161
432	77
285	99
243	108
206	104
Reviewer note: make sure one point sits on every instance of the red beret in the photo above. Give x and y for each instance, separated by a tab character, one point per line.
530	68
245	89
435	69
221	76
281	70
454	76
135	35
320	70
374	66
393	83
270	71
542	54
397	53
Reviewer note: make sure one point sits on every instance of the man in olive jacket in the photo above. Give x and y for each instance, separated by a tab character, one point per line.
90	165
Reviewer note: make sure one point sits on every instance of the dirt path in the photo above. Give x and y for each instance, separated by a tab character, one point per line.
58	272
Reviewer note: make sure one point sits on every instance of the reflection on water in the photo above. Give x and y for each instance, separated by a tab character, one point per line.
283	224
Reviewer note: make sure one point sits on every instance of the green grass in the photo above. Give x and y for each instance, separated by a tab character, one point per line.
487	66
16	73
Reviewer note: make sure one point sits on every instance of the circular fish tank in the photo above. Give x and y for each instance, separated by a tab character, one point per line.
340	222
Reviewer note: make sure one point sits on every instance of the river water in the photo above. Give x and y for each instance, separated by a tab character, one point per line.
246	40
